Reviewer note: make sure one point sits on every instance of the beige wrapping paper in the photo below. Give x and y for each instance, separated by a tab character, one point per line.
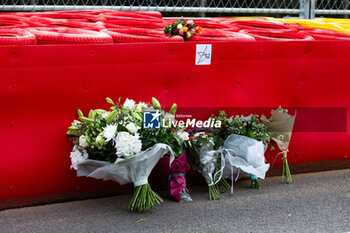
280	125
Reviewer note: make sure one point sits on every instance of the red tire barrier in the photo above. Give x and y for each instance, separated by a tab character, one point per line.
16	36
321	34
133	14
233	38
65	15
49	22
127	38
133	22
12	24
211	23
10	20
261	24
65	35
211	32
277	35
138	31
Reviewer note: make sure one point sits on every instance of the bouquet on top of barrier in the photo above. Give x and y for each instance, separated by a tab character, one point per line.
245	142
280	126
114	145
182	27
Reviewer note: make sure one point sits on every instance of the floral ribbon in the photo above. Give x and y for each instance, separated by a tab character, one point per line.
175	175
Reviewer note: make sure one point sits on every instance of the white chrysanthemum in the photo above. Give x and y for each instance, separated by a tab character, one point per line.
77	156
189	34
82	141
141	106
129	103
179	26
127	144
183	135
109	131
132	128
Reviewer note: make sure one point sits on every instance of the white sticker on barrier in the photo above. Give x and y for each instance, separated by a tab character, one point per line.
203	54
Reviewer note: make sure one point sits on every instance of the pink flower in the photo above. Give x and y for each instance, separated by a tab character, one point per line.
181	32
193	31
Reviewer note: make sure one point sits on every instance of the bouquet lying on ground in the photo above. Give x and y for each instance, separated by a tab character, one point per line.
246	139
113	145
280	126
176	172
184	28
204	157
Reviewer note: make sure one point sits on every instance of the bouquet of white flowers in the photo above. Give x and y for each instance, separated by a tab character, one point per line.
114	145
205	158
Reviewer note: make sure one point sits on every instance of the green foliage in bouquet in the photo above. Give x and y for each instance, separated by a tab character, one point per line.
198	145
107	135
249	126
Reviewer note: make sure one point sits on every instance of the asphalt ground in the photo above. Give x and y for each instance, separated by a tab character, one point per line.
315	202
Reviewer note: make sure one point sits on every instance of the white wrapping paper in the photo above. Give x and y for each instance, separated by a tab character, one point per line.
246	154
135	169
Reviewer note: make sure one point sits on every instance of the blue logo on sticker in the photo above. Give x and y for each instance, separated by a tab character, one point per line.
151	119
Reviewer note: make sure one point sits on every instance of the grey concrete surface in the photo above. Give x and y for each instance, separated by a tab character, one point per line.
315	202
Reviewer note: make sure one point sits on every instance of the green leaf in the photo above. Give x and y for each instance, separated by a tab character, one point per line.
155	103
92	114
121	128
111	116
110	101
137	116
80	113
73	128
85	119
118	103
173	109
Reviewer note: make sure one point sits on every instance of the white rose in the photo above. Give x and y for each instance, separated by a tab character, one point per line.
129	103
179	26
132	128
190	22
82	142
183	135
189	34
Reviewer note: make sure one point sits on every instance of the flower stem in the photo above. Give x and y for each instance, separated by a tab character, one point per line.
213	192
223	186
255	182
286	171
144	198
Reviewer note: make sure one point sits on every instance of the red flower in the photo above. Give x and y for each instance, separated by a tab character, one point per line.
189	27
176	30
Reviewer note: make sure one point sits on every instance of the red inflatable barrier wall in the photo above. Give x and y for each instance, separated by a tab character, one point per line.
42	86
